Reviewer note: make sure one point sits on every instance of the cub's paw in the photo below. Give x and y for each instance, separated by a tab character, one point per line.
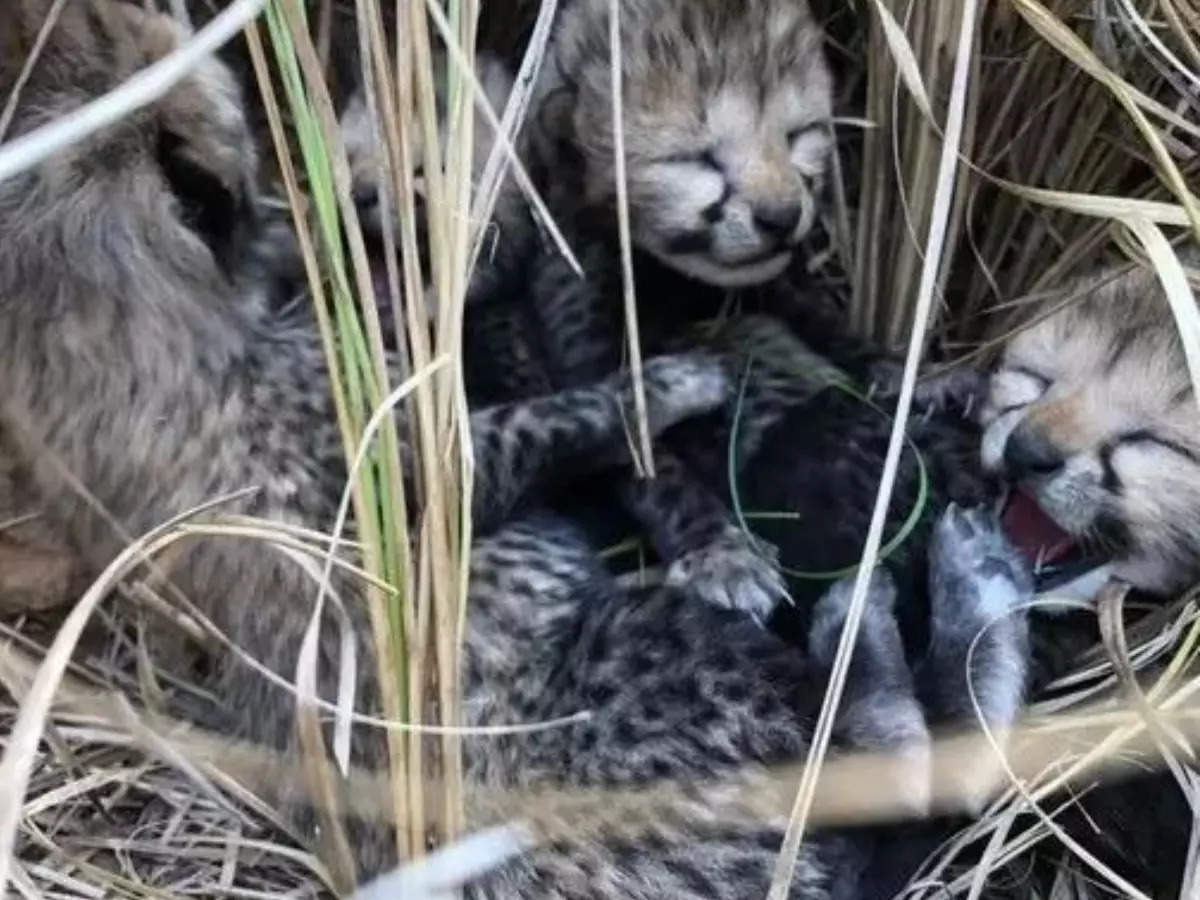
829	615
976	573
734	571
679	387
961	388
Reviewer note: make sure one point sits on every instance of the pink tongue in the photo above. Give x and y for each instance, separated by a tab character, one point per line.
1035	534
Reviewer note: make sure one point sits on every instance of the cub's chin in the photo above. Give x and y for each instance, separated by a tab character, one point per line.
704	267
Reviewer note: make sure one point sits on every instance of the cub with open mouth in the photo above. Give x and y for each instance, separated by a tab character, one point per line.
1092	417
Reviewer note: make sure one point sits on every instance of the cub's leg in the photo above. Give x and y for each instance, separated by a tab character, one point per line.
978	657
977	584
689	524
879	710
707	553
526	442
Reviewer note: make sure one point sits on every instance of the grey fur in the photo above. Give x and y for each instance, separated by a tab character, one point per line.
138	352
726	110
1100	390
154	372
742	84
136	363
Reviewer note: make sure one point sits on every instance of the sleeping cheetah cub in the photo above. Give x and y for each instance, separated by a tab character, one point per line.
726	108
726	124
1092	416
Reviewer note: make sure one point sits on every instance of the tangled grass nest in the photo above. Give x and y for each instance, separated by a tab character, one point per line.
986	152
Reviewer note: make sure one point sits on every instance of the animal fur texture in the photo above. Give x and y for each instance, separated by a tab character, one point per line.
971	585
141	357
556	330
726	109
1092	411
140	353
726	129
725	122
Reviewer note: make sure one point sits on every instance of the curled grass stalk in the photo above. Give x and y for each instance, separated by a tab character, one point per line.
911	521
1031	802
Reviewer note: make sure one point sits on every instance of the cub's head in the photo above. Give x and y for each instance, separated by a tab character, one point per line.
1091	414
174	181
726	123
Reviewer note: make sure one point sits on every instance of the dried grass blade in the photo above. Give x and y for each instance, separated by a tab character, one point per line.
35	52
524	182
939	217
1032	801
905	59
1111	606
1066	42
1179	293
437	876
1155	41
644	459
21	750
361	378
1096	205
1186	35
322	787
495	170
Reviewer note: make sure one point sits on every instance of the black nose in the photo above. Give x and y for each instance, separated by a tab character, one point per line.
777	220
365	195
1028	452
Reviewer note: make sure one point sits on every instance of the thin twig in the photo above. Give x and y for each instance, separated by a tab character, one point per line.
785	867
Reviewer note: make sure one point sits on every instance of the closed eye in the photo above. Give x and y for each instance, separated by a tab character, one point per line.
1043	381
1015	387
706	158
812	129
1145	436
1138	438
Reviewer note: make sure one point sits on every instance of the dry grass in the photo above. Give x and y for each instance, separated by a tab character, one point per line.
984	160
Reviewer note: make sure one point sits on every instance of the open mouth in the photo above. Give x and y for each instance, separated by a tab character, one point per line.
1056	556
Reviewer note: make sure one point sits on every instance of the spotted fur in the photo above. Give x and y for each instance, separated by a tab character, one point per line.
802	445
140	354
1091	411
146	362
